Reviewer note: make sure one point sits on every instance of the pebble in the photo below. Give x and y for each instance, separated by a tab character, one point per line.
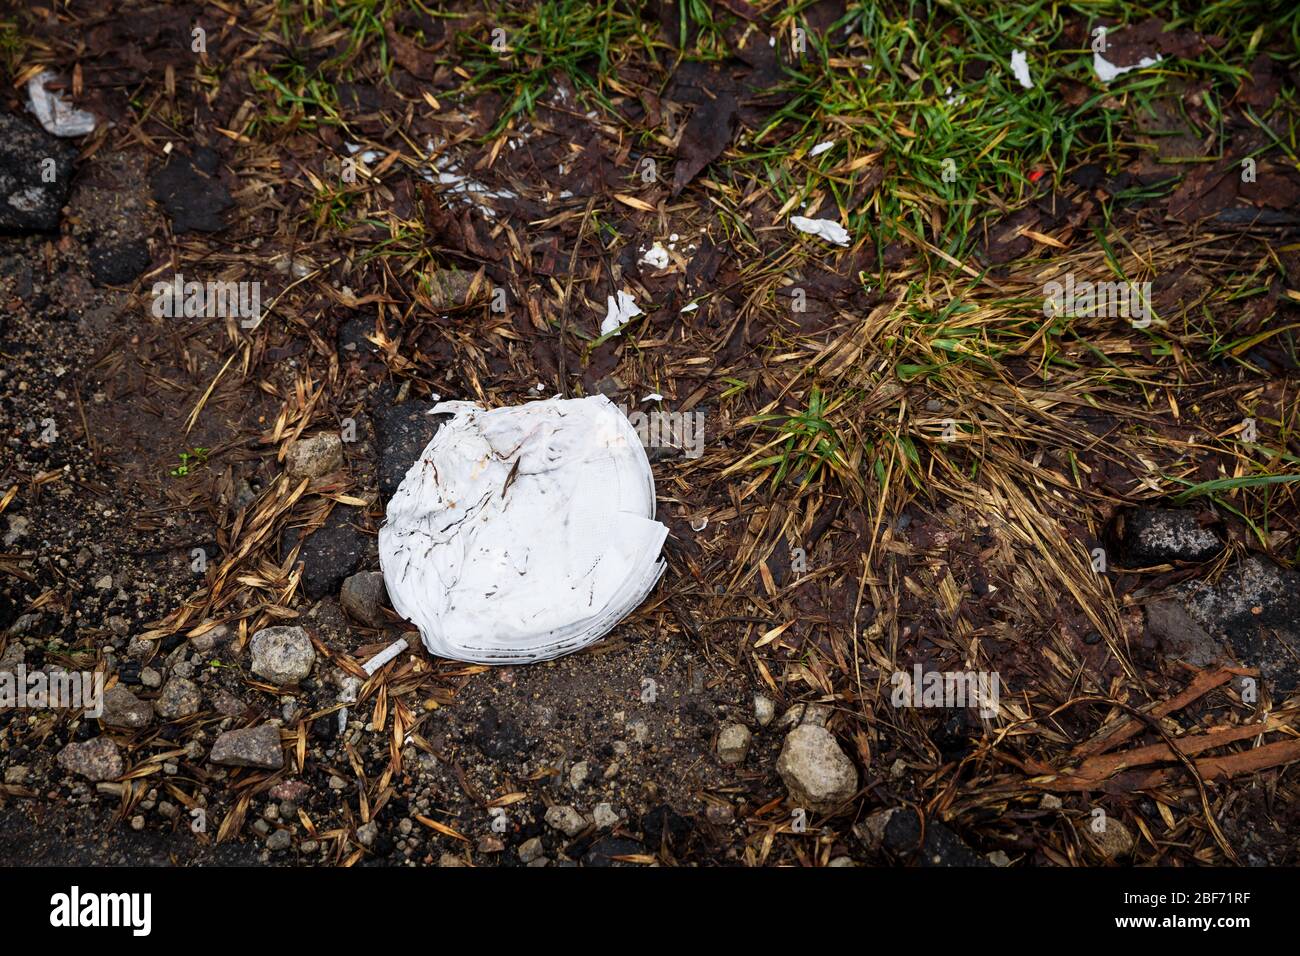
764	710
123	709
565	819
817	773
531	849
315	455
604	816
249	747
95	760
283	655
362	596
733	743
179	698
367	833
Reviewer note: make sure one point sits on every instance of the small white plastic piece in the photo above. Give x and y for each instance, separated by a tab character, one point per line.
57	115
620	312
827	229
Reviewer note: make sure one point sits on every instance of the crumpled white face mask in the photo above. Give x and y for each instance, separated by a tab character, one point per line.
523	533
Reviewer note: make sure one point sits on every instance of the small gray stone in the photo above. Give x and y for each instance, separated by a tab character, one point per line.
283	655
315	455
531	849
151	678
764	710
179	698
578	774
733	743
227	704
95	760
816	771
17	774
279	840
362	596
604	816
367	833
123	709
249	747
565	819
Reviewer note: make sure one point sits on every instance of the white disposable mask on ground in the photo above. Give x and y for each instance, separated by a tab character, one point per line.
523	533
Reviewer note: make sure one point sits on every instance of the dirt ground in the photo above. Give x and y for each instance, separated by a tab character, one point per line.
907	465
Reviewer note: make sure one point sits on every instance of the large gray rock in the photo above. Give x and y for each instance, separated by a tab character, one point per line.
95	760
249	747
816	771
35	177
283	655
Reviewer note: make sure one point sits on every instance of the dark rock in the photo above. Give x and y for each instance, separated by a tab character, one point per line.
664	821
604	850
118	263
191	193
27	202
329	554
402	432
497	737
1183	638
1156	535
363	595
352	341
942	847
1253	609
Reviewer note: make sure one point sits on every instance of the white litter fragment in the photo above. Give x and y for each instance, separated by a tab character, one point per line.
821	148
523	533
348	690
446	172
386	655
827	229
656	257
689	308
367	156
1020	67
619	312
653	397
57	115
1107	71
